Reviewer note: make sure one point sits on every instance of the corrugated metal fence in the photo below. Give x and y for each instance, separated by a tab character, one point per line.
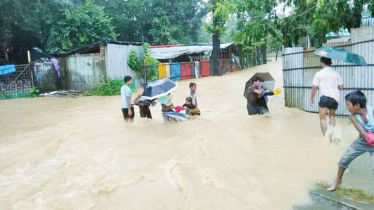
188	70
299	68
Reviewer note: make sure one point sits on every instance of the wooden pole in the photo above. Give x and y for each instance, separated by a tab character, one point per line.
31	74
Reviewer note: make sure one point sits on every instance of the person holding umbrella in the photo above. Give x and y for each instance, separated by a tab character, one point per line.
329	83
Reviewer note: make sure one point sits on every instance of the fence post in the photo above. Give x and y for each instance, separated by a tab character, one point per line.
29	59
32	76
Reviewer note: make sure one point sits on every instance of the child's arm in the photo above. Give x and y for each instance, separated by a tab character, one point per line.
136	99
258	92
359	128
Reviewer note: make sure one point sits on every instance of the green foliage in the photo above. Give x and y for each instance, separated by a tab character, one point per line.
61	25
34	92
324	16
156	21
107	87
145	66
275	43
221	12
85	25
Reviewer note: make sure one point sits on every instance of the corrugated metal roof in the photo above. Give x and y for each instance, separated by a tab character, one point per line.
94	46
164	53
367	21
341	33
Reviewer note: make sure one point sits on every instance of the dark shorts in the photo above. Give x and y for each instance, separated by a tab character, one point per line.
327	102
126	115
145	112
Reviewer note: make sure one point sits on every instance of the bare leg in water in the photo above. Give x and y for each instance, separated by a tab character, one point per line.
322	118
332	113
338	180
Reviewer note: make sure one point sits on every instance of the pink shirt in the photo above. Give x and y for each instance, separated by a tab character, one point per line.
328	80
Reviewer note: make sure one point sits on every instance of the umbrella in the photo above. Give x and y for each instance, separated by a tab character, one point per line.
159	88
268	84
340	54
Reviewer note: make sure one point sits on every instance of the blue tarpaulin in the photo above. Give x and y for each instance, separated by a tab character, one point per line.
175	71
8	69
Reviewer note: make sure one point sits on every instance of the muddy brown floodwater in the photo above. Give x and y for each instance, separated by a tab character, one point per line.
66	153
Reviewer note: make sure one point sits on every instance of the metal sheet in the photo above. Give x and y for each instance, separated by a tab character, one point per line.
85	71
175	71
164	53
116	61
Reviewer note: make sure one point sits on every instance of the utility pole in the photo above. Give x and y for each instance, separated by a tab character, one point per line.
216	44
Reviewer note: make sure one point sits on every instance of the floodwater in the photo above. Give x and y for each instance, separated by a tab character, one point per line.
67	153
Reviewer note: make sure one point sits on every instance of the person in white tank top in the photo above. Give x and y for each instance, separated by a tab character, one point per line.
329	84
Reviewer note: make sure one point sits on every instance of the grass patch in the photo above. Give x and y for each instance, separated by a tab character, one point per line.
108	87
354	194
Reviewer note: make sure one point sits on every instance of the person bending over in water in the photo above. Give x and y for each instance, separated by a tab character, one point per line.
362	118
193	110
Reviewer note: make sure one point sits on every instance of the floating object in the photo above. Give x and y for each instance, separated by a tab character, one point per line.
277	91
369	138
179	109
175	116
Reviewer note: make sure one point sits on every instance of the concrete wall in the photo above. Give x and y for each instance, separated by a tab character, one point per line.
45	76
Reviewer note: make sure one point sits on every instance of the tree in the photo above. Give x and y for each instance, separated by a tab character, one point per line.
55	25
221	10
145	66
256	23
86	24
276	43
45	14
156	21
326	16
11	17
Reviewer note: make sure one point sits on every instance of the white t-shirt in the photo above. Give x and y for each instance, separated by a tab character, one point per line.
328	80
193	96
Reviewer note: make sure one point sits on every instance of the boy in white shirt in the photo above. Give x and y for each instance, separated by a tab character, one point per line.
192	94
329	84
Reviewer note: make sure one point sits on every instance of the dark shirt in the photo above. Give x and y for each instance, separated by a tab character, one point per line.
191	106
252	96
